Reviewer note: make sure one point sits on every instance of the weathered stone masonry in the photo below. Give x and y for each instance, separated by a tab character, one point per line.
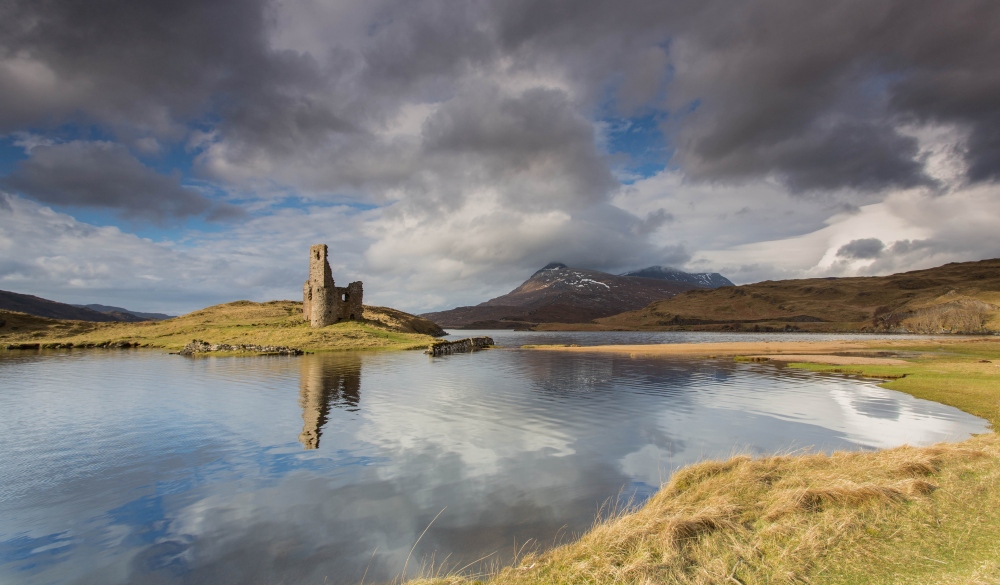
460	346
323	303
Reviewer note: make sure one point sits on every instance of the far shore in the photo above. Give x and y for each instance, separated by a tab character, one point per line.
858	352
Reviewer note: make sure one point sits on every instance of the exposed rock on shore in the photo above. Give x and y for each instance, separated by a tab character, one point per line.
198	346
57	345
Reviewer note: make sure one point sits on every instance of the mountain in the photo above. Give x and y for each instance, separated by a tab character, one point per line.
705	279
120	311
39	307
32	305
559	294
957	298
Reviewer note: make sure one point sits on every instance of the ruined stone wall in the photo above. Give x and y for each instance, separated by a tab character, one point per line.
323	303
348	301
459	346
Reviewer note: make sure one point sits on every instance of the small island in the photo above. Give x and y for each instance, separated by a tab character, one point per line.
329	319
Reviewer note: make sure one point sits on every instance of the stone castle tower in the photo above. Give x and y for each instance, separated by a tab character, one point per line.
323	303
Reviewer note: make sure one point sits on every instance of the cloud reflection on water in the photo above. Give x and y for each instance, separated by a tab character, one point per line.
163	470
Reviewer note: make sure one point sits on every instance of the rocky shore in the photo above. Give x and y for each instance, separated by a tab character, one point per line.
198	346
58	345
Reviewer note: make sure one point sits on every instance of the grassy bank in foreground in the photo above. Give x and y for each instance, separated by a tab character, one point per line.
240	322
904	515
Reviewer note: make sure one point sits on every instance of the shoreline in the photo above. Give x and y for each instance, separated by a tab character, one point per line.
819	352
902	515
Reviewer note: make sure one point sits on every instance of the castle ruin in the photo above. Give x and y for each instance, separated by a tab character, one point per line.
323	303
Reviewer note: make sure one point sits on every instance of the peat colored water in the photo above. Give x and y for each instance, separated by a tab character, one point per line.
133	466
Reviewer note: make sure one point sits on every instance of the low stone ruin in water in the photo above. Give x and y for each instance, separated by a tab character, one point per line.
459	346
198	346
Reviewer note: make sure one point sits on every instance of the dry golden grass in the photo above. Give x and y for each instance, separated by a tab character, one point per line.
240	322
917	515
958	298
906	515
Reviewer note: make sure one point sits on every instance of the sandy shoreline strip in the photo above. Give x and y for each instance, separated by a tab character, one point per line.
817	352
756	348
832	360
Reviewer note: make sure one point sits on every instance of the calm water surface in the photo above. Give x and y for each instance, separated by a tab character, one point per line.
140	467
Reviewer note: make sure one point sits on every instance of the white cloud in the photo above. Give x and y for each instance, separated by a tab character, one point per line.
81	263
954	227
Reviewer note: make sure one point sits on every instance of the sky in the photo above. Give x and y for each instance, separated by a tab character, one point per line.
167	155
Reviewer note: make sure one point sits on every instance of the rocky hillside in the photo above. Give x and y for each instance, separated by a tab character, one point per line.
958	297
705	279
559	294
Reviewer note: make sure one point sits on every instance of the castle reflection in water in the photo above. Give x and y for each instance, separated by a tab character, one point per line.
326	381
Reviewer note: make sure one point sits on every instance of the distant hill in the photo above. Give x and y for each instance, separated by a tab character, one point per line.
705	279
957	297
32	305
120	311
560	294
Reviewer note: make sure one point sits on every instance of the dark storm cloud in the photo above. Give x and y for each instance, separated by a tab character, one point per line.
425	44
653	221
813	93
536	135
101	174
157	66
675	255
127	62
862	249
908	246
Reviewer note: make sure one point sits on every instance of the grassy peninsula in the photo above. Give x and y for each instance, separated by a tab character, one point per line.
240	322
903	515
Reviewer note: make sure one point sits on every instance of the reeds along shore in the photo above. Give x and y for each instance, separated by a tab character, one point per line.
903	515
